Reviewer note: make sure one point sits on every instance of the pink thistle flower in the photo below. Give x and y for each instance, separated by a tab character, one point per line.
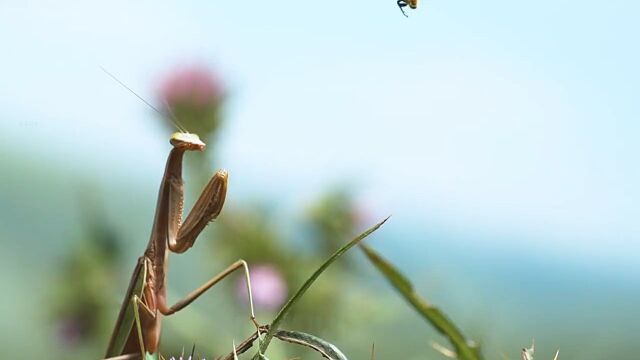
268	285
193	85
70	331
192	96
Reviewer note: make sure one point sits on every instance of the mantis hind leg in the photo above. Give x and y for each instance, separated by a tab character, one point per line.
135	302
138	304
135	356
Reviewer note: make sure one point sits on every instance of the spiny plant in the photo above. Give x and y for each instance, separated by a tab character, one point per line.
527	353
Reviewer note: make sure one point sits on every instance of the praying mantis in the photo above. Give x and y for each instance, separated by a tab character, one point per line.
137	330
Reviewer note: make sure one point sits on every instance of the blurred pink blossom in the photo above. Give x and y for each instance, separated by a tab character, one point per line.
70	331
193	85
268	285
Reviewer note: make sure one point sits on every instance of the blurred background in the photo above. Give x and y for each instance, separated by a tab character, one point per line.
501	136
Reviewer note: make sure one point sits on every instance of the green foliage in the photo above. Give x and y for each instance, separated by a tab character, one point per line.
81	307
464	348
294	299
252	232
325	348
331	218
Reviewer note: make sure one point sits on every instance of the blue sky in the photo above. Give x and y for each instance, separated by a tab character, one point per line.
513	121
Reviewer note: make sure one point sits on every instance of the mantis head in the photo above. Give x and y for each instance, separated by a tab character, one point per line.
187	141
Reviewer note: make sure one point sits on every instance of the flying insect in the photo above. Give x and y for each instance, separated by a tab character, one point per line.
403	3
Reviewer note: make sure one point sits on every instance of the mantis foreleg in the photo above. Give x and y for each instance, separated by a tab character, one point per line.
181	236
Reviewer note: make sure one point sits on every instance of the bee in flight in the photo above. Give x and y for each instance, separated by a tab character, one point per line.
412	4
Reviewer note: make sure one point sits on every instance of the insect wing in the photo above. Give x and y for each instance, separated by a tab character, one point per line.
126	317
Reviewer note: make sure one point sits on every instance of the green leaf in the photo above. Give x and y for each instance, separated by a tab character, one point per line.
463	348
325	348
273	328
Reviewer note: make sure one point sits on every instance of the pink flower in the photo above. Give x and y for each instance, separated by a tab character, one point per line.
70	331
268	285
194	85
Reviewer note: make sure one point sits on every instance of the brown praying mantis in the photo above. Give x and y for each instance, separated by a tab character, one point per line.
136	333
137	329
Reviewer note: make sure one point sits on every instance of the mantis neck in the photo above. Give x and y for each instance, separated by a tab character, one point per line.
168	211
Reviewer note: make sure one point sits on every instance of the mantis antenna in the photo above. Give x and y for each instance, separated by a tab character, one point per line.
173	117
